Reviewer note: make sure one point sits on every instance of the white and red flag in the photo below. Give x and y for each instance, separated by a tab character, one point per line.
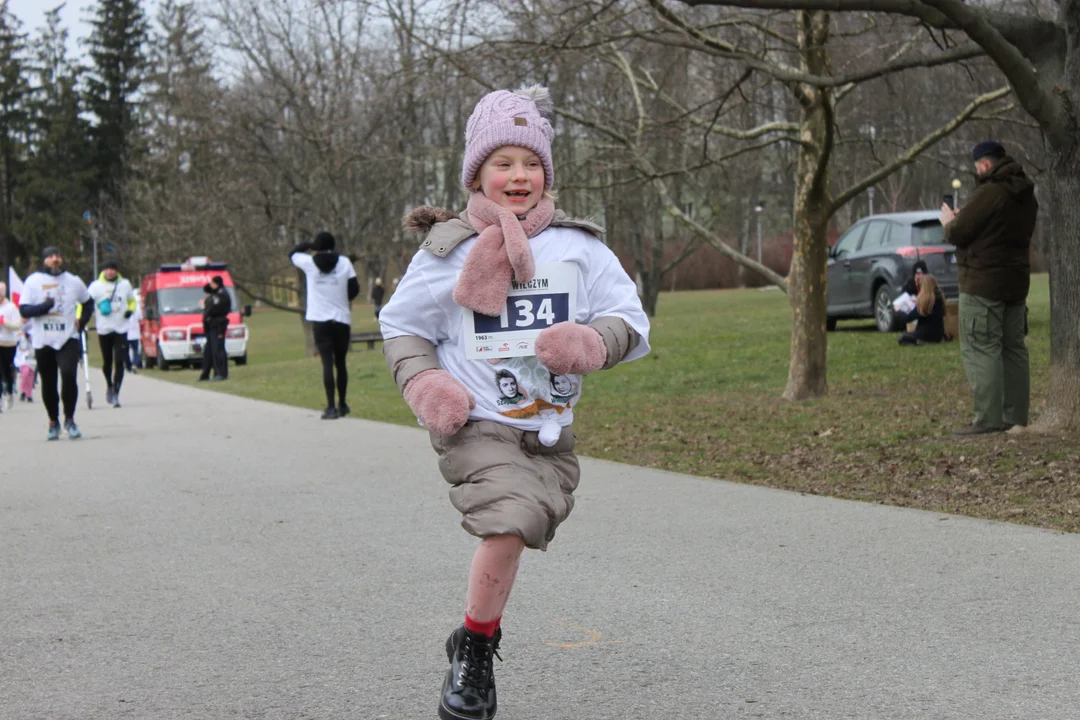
15	286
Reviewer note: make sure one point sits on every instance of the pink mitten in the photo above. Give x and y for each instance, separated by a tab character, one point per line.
441	402
567	348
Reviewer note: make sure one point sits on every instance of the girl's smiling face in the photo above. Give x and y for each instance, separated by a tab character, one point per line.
512	177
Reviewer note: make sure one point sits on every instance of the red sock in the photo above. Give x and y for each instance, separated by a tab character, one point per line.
487	629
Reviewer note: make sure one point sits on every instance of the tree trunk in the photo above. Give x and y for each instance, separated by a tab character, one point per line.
807	377
1062	411
650	292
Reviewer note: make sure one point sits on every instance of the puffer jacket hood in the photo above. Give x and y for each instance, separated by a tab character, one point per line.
1010	176
102	278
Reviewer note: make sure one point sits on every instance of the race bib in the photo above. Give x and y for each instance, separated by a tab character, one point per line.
56	326
549	298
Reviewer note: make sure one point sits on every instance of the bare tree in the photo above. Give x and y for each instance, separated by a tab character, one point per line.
817	90
1032	46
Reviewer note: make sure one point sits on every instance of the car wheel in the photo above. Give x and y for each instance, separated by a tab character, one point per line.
162	363
143	360
830	323
242	360
884	314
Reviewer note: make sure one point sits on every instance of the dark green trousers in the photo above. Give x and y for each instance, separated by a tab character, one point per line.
996	359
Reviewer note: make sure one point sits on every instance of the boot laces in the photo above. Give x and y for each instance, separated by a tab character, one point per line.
476	662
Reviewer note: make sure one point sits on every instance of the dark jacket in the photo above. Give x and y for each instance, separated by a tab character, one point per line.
378	292
931	328
217	308
911	287
992	235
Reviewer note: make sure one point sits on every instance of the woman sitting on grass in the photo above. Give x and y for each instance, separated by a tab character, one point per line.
929	312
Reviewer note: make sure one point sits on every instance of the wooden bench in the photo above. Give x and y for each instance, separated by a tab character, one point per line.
368	337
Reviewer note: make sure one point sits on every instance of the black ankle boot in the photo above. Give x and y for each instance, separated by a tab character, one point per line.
468	692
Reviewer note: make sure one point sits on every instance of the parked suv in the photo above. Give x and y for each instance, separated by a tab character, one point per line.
871	262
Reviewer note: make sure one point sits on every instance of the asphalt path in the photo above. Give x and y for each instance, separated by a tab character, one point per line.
198	555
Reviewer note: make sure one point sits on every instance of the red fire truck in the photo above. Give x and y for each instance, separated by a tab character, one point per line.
171	331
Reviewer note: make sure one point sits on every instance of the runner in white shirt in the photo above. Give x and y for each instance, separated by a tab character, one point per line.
331	287
114	304
10	326
134	332
50	298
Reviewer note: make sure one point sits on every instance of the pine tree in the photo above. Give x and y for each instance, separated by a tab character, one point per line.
14	88
118	69
171	196
58	178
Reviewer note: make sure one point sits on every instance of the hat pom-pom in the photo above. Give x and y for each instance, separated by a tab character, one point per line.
541	97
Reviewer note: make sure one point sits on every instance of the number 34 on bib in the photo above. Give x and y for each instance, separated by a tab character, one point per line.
549	298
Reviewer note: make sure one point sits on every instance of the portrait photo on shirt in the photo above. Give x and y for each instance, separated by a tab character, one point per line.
510	393
562	388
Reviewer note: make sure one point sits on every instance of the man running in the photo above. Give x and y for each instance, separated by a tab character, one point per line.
50	298
114	303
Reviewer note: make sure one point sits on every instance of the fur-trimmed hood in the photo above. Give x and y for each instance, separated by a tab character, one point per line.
420	220
444	230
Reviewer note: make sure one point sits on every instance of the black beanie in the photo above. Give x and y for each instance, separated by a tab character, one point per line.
324	242
109	265
49	251
208	288
987	147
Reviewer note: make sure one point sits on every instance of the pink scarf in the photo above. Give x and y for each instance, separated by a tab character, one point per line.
500	253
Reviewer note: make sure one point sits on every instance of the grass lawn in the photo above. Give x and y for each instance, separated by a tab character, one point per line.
706	402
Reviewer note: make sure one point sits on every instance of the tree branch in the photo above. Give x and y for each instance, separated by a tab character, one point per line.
1047	109
913	152
994	31
245	289
790	75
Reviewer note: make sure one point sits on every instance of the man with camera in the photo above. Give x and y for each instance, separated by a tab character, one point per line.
992	234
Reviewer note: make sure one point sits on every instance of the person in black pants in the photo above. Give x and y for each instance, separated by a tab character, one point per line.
215	323
378	292
10	327
51	297
207	353
929	312
114	304
331	287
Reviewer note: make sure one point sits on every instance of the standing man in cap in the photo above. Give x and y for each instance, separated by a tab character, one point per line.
216	321
50	298
114	304
992	235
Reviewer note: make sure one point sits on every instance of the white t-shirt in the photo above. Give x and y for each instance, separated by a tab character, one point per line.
133	332
120	292
10	323
327	293
68	292
516	391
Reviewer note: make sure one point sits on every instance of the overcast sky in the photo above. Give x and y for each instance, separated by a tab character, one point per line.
32	15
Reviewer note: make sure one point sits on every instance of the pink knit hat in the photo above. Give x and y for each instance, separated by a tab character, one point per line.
503	118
